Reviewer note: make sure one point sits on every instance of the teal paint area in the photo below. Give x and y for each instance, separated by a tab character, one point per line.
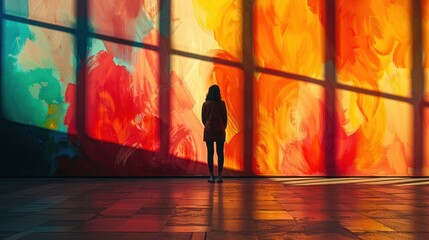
36	96
16	7
14	37
33	99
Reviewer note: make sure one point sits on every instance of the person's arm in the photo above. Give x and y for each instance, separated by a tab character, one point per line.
203	114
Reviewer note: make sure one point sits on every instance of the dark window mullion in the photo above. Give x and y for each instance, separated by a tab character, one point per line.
330	121
418	88
164	81
1	56
38	23
81	57
248	68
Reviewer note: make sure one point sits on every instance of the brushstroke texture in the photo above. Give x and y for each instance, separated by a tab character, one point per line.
125	19
374	134
203	22
34	83
60	12
288	114
374	53
38	65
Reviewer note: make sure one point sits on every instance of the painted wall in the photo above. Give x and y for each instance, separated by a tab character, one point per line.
126	100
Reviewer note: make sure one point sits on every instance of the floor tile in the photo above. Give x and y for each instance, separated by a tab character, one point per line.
191	208
142	225
101	225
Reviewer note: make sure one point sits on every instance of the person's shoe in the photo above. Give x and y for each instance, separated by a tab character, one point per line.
219	179
211	179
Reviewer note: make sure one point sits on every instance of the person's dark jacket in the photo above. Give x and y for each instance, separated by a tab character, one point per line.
214	118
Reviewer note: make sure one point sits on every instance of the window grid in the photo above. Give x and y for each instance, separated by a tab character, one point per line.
330	84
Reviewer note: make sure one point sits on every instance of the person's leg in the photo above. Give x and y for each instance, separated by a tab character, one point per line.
210	153
220	159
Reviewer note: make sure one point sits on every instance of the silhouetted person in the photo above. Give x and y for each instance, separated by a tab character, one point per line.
214	117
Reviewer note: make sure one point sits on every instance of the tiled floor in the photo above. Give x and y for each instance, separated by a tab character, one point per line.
192	208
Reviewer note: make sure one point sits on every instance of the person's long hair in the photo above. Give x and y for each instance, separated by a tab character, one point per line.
213	93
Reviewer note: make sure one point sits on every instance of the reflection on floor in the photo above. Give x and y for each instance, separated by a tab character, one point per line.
192	208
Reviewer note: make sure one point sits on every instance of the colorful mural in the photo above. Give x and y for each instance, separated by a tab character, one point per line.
197	27
374	53
288	113
141	52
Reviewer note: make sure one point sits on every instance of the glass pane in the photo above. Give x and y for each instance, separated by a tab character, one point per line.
207	27
289	36
374	45
190	80
289	126
134	20
58	12
378	145
38	72
122	97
